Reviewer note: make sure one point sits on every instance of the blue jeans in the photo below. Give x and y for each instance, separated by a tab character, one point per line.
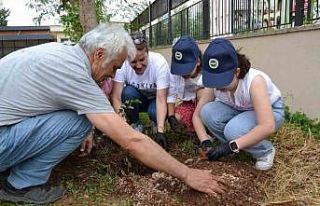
147	105
32	147
227	124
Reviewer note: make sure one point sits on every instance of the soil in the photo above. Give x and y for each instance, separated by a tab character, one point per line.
143	186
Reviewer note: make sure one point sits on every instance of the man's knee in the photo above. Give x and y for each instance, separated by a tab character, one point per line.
129	93
76	125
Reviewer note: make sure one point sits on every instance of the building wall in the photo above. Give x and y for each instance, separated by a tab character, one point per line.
291	58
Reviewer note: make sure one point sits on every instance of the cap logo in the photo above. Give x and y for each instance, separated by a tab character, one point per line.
213	63
178	55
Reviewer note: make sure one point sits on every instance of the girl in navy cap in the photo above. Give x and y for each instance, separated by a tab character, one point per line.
247	105
186	87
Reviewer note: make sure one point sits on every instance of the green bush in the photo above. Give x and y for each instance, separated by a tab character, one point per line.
310	126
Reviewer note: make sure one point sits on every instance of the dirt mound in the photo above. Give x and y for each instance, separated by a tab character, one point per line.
161	189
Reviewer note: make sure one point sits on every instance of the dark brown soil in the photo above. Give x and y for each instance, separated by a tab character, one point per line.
143	186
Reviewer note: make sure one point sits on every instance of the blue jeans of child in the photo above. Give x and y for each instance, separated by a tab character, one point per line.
147	105
32	147
227	124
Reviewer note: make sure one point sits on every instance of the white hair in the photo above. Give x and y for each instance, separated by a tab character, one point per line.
110	37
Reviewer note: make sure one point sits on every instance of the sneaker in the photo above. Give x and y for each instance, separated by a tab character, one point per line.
137	126
36	195
265	162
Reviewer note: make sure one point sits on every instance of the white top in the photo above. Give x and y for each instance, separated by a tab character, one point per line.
156	75
183	89
242	94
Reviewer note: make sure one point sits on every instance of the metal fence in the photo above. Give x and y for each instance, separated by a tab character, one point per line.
165	20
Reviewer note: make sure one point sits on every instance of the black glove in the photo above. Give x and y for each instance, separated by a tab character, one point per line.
203	149
161	140
173	122
206	144
219	151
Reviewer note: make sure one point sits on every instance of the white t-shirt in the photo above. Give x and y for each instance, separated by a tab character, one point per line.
242	96
183	89
156	75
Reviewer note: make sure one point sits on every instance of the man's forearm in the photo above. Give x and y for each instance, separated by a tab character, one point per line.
154	156
138	144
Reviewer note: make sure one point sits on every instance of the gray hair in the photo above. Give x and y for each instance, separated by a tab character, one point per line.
110	37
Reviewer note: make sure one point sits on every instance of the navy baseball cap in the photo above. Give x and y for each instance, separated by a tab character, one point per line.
185	54
220	62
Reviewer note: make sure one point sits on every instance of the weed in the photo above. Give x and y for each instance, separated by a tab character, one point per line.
127	105
307	125
187	147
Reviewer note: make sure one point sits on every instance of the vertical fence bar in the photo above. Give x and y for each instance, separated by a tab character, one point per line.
232	16
187	21
222	19
317	9
309	11
274	14
299	13
150	26
169	2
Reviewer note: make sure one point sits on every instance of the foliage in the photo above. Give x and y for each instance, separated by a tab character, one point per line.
4	13
310	126
71	19
127	9
127	105
68	10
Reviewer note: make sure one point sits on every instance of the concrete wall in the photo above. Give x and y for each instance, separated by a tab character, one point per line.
292	59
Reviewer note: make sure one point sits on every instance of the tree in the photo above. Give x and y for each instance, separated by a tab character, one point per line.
4	13
77	16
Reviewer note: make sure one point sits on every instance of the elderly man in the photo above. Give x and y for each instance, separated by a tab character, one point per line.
144	78
50	99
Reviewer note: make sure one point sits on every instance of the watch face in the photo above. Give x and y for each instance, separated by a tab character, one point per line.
233	146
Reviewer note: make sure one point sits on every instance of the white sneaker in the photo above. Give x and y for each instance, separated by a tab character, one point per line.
137	126
265	162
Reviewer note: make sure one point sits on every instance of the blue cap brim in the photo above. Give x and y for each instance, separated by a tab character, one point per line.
217	80
182	69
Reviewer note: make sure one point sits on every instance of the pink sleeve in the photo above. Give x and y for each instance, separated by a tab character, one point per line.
107	87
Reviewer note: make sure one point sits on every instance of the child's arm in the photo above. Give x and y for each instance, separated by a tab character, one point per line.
203	96
116	95
170	109
263	109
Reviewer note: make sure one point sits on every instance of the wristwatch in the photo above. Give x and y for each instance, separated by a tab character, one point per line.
233	146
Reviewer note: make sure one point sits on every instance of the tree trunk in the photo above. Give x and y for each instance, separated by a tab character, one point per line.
88	16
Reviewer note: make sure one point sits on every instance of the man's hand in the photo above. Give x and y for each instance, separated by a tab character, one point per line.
204	181
161	139
86	145
219	151
173	122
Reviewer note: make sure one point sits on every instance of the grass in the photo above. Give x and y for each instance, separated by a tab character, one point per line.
296	175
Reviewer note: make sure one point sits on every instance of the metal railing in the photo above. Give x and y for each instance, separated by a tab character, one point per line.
208	18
